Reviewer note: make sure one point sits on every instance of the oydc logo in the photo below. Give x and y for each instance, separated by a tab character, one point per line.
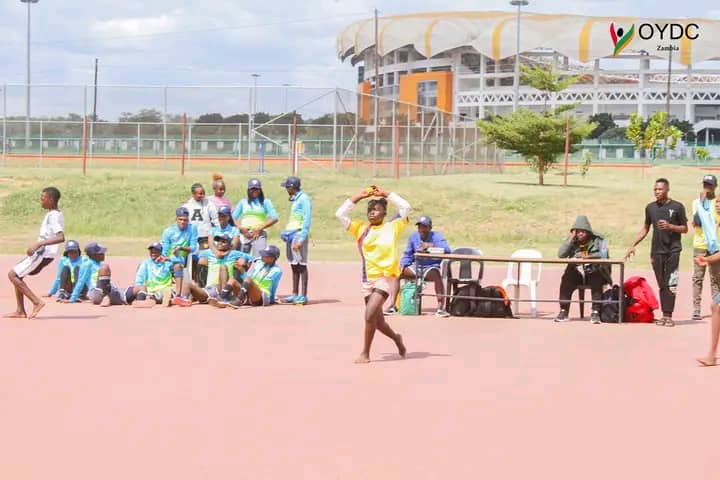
620	38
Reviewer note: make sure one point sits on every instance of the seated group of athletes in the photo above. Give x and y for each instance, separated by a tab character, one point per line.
200	258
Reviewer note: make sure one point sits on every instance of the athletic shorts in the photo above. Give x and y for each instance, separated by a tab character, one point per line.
425	270
382	283
32	264
117	296
299	257
263	302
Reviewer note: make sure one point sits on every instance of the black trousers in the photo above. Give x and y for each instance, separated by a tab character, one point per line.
667	275
570	281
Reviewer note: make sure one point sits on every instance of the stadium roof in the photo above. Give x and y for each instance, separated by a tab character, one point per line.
493	34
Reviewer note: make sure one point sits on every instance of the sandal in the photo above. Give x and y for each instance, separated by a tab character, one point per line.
669	322
660	321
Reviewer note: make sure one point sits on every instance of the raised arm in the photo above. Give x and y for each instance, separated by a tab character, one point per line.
343	213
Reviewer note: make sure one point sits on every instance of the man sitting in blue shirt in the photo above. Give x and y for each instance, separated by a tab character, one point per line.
421	241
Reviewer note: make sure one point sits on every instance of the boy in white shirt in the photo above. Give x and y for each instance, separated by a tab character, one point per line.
39	255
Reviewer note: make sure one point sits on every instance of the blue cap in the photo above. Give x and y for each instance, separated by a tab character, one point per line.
182	212
223	236
224	210
424	220
94	248
71	245
291	182
155	246
254	183
270	251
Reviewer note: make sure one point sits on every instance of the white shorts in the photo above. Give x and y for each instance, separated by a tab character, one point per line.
117	296
425	270
382	283
297	257
31	265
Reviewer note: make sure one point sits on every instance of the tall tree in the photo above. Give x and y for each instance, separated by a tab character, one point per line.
604	123
657	129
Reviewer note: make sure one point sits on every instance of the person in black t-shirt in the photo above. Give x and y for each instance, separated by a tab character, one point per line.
668	221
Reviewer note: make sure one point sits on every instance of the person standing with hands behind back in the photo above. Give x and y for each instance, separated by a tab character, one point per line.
295	236
668	221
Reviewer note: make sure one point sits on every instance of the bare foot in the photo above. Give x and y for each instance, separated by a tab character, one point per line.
707	362
15	315
400	345
36	309
363	358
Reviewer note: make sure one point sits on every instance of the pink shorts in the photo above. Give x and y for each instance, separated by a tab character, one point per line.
382	283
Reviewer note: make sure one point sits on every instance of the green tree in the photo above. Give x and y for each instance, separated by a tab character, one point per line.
657	129
604	122
702	153
146	115
546	80
538	136
210	118
688	132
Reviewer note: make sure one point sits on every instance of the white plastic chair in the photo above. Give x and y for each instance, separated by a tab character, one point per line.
526	277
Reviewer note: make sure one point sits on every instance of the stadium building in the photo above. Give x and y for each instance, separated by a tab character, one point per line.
463	62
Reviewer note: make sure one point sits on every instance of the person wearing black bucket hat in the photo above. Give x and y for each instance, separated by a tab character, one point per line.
67	272
583	242
705	241
295	236
254	215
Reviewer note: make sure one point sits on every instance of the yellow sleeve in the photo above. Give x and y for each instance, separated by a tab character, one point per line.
356	228
399	225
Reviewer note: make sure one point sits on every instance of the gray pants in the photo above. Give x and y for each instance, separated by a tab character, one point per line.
253	247
699	276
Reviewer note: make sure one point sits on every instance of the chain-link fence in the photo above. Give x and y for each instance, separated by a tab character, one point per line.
248	129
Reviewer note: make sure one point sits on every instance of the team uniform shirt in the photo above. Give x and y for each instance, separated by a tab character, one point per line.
377	244
173	238
87	278
413	246
254	214
699	236
231	230
664	241
300	215
203	215
156	276
228	260
266	277
52	225
65	262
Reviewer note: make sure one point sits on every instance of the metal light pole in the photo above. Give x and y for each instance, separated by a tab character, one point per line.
255	77
251	118
285	108
27	74
516	80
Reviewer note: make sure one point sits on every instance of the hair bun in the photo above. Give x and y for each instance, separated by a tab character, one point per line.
217	176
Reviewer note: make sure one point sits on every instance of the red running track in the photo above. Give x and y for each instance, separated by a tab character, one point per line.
271	393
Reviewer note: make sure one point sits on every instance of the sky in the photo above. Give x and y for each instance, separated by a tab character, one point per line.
220	42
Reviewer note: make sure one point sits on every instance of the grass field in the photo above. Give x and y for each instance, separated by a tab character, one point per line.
495	212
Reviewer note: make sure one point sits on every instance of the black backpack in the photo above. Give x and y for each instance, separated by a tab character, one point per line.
465	307
609	309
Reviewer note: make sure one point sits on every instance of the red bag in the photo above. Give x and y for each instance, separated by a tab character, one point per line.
645	301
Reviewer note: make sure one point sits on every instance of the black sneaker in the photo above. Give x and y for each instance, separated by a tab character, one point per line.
595	317
696	315
562	316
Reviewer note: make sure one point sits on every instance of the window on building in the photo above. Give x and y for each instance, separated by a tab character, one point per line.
446	68
391	78
471	61
427	93
402	56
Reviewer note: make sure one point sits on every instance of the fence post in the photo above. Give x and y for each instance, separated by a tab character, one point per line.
422	141
393	137
183	147
567	150
293	157
239	147
408	143
165	92
6	142
40	161
137	148
84	145
335	97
